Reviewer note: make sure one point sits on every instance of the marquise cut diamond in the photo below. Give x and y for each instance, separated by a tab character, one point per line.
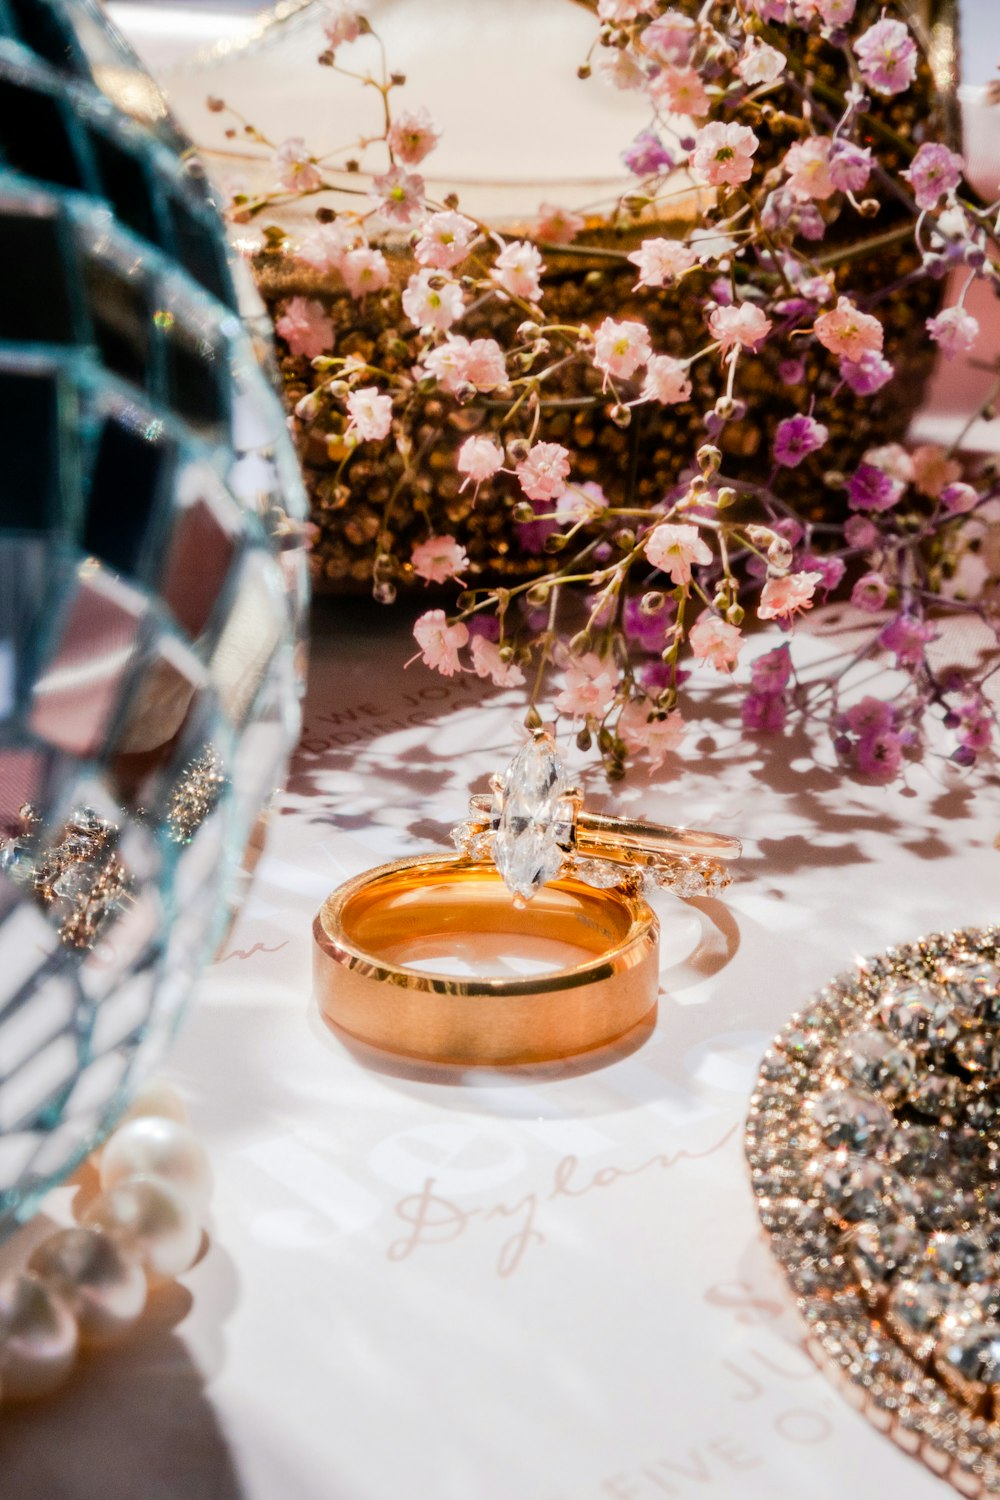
531	818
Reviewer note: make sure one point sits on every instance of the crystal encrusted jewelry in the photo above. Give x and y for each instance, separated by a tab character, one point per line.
874	1147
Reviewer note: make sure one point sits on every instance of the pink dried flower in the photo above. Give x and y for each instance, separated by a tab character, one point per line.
782	598
485	366
807	164
681	92
478	459
760	63
399	195
444	240
934	171
325	245
542	473
432	301
620	11
667	380
660	261
590	687
487	662
621	348
412	136
518	268
713	640
305	327
438	559
723	154
669	38
848	332
456	363
370	412
296	169
343	25
440	642
558	226
675	548
836	13
742	325
870	593
954	331
887	56
892	459
933	470
364	270
644	730
796	437
879	756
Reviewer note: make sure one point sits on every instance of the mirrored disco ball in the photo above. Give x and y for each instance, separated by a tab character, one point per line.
152	587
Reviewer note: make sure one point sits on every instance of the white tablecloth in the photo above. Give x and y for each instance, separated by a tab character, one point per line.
406	1294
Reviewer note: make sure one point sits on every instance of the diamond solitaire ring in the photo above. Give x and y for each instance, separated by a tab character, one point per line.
535	830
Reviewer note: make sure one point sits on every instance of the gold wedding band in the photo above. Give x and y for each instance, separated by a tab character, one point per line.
370	995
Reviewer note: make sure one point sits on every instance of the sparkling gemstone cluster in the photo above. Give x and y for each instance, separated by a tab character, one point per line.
874	1146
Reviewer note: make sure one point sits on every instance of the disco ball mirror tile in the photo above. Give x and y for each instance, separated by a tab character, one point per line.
152	584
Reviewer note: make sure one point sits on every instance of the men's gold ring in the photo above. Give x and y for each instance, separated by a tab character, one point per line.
366	989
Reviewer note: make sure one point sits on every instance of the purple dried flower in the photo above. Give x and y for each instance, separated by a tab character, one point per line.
764	713
868	374
647	155
860	532
958	498
792	371
830	569
870	716
648	630
879	755
850	166
933	171
870	489
770	673
870	593
797	437
906	636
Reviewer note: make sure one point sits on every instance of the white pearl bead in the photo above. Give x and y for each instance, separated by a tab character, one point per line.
159	1099
153	1220
38	1338
162	1148
103	1285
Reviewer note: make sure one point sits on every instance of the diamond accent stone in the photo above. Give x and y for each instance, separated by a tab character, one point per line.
880	1252
914	1013
875	1061
858	1122
531	818
915	1308
972	984
960	1257
971	1361
600	873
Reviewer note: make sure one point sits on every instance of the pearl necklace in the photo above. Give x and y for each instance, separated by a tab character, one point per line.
85	1286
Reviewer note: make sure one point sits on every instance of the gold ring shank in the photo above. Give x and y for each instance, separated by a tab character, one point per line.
363	990
601	836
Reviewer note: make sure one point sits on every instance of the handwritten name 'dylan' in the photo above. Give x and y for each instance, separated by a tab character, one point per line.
432	1219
